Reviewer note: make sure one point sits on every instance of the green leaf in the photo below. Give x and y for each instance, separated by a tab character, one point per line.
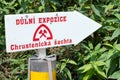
12	2
96	11
109	28
54	7
90	45
116	33
107	38
72	62
20	1
63	65
55	2
110	6
99	71
117	16
107	66
82	1
113	20
118	79
88	67
111	66
102	49
19	11
99	63
22	66
82	68
115	75
98	46
85	68
110	53
40	8
102	57
86	47
64	60
117	47
109	45
68	73
88	75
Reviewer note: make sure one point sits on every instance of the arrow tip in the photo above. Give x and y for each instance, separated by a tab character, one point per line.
87	27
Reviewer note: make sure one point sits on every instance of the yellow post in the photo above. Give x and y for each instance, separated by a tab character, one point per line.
42	69
42	75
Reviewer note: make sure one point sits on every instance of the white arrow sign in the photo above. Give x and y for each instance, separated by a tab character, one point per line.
42	30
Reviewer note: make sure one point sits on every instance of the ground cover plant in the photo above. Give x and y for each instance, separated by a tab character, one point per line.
95	58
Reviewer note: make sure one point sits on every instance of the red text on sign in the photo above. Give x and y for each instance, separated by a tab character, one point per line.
23	21
53	19
33	45
30	45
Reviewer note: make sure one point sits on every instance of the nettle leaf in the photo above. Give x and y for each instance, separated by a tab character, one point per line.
115	75
106	38
116	33
68	73
112	20
82	68
111	66
117	16
109	28
20	2
109	45
103	49
96	11
102	57
110	6
82	1
110	54
12	2
97	47
85	68
88	75
41	8
63	65
54	7
117	47
55	2
72	62
99	71
19	11
100	63
90	45
86	47
107	68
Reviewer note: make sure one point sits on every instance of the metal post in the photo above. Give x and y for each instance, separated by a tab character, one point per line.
41	64
41	53
50	70
29	69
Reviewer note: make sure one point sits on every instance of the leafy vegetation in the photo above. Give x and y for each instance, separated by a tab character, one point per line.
95	58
